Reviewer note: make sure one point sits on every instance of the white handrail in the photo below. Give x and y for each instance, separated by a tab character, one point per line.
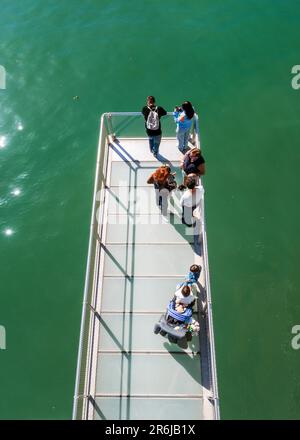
86	289
214	380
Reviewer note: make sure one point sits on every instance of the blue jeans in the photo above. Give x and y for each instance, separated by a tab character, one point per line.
154	142
182	137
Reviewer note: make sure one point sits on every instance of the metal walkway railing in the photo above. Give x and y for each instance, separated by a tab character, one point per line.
114	126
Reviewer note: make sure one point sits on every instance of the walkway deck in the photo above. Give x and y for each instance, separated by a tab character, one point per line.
131	373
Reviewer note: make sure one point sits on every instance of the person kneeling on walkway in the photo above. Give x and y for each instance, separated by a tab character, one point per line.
192	277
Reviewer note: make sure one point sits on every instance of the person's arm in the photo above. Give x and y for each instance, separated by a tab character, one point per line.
192	303
151	179
183	159
175	114
145	112
178	117
201	169
178	114
162	111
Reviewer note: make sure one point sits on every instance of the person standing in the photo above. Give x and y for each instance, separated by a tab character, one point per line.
152	114
190	200
183	117
164	182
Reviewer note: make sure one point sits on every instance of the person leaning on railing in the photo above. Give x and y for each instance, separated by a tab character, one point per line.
192	164
183	117
152	114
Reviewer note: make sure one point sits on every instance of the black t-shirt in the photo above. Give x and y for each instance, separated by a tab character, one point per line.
161	112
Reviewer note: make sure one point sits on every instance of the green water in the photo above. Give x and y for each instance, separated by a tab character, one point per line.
232	60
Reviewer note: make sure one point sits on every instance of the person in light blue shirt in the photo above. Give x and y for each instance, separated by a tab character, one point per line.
183	116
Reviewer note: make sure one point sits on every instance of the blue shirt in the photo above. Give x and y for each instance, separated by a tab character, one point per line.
182	120
191	278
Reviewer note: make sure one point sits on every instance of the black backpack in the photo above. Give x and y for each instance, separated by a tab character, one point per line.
171	183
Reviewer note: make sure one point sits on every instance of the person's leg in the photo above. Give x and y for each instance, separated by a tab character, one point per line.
157	196
180	139
164	194
156	144
151	143
186	139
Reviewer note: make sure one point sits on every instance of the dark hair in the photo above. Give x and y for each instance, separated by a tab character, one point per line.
186	290
190	182
195	268
188	109
151	99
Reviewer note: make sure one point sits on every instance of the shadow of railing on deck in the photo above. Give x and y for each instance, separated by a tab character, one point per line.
111	334
126	209
115	145
97	408
115	261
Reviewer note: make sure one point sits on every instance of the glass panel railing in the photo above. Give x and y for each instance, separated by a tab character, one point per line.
132	125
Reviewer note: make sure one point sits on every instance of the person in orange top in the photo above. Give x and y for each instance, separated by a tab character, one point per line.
164	182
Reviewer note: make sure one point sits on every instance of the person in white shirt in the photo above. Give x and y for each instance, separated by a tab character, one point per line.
184	298
190	199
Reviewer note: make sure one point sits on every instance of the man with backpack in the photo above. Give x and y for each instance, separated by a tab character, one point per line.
152	115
